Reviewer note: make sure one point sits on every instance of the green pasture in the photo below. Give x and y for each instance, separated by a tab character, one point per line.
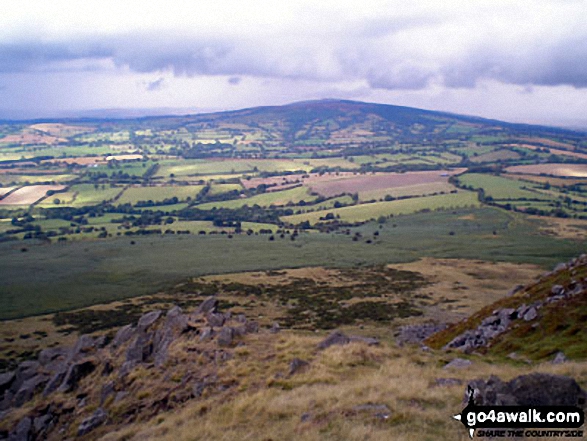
132	195
294	195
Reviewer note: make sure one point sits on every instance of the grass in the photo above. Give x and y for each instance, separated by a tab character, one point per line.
63	276
365	212
87	194
500	188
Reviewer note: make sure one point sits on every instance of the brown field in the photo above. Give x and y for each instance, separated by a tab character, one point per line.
559	182
554	151
82	160
574	229
549	142
56	129
282	182
568	170
28	136
496	156
29	195
335	185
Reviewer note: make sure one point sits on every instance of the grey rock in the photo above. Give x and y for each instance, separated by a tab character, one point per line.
560	267
215	319
43	424
107	390
226	336
514	290
122	336
241	318
275	328
148	319
84	345
297	365
536	389
120	396
141	348
335	338
55	381
126	368
557	290
530	314
208	305
415	334
98	418
307	416
6	381
23	431
175	324
251	327
75	373
28	389
560	358
458	363
206	333
47	356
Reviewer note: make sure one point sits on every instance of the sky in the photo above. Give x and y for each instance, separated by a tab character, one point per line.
518	60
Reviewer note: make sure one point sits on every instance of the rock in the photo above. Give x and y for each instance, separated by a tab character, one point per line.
175	324
297	365
530	314
226	336
120	396
126	368
557	290
415	334
47	356
141	349
447	382
560	358
335	338
306	417
75	373
28	390
6	381
241	318
55	381
206	333
208	305
148	319
23	431
380	411
536	389
251	327
514	290
458	363
98	418
43	425
215	319
107	390
122	336
275	328
84	344
560	267
369	341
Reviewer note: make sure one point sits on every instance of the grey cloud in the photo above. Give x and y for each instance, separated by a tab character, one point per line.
370	53
155	85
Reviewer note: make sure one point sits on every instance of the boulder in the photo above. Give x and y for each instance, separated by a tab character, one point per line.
175	324
226	336
215	319
275	328
23	431
415	334
47	356
106	391
28	389
369	341
6	381
43	425
458	363
208	305
335	338
75	373
557	290
84	345
530	314
559	358
379	411
149	319
206	333
536	389
297	365
98	418
141	348
55	381
122	336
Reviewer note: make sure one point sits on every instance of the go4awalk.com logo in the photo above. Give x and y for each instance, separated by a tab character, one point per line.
518	421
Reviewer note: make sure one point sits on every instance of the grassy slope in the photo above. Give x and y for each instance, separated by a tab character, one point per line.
70	275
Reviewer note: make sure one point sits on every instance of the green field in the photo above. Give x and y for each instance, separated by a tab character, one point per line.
501	188
216	189
364	212
80	273
132	195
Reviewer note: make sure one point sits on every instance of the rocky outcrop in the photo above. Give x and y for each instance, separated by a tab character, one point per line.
98	418
416	334
536	389
339	338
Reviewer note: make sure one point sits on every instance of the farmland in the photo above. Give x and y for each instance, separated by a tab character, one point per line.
306	184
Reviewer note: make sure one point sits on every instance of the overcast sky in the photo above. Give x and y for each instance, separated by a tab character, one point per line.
516	60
